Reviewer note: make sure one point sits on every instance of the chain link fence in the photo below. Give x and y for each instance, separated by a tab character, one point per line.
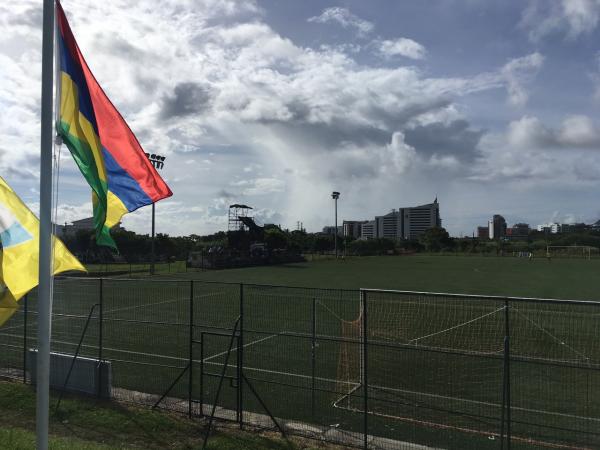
368	369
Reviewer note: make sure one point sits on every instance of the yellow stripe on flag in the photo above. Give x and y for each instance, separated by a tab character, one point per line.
19	233
116	210
79	126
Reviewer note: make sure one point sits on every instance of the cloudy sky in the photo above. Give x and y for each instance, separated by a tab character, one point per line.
490	105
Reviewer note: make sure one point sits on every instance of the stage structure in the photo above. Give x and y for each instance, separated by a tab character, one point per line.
236	213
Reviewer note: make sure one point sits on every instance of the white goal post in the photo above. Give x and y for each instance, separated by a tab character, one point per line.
571	251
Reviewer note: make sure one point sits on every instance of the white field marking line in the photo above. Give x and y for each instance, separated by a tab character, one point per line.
334	314
466	400
457	326
111	310
158	303
156	355
289	374
243	346
537	325
335	380
463	429
176	358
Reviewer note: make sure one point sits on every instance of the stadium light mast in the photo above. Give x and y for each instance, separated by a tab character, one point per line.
335	195
158	162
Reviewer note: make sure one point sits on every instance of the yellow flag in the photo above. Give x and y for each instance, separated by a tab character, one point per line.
19	259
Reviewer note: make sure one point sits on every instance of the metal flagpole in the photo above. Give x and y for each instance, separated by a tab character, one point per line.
152	256
45	272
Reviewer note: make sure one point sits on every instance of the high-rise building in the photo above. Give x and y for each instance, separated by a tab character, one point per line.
404	223
420	218
483	232
352	228
368	230
497	227
388	225
519	231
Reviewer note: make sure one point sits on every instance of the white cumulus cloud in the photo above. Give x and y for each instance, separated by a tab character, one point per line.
345	18
402	47
572	18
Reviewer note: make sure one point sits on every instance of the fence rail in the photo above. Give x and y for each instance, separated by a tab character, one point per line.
369	368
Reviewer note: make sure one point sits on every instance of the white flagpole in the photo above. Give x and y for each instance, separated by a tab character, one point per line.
45	272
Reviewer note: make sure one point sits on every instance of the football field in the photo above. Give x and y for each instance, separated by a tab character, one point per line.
574	278
435	366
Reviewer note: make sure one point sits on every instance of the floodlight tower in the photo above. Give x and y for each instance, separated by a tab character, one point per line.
335	195
158	162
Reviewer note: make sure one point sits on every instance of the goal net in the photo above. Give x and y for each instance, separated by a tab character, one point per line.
427	358
572	251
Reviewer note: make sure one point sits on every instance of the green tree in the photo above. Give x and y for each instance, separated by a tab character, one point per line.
276	239
436	239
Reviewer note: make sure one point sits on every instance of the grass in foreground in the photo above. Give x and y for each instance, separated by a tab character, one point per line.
88	424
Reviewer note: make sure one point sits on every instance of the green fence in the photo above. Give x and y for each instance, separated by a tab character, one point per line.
368	368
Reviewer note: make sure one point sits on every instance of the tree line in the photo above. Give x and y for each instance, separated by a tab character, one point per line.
135	248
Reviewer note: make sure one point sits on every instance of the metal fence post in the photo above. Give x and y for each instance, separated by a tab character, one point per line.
100	343
508	406
202	374
25	312
313	353
241	359
191	344
365	365
506	416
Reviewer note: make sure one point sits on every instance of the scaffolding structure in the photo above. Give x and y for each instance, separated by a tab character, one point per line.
235	212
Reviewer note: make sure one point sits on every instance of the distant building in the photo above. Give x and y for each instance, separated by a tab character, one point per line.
77	225
497	227
519	231
368	230
353	228
331	230
404	223
389	226
483	233
549	227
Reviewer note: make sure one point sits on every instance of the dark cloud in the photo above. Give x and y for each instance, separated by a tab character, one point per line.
120	46
18	174
31	16
340	131
187	98
322	136
455	139
396	120
225	194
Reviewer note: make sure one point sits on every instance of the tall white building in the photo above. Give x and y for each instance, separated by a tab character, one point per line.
404	223
368	230
551	227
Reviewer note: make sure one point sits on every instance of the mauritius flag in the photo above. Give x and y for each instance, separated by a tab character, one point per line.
103	146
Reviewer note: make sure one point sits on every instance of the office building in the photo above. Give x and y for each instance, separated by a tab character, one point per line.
404	223
353	228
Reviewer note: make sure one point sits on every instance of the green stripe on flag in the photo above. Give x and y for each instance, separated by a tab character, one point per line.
84	158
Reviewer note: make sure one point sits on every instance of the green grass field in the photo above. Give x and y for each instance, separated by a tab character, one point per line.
559	278
435	364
